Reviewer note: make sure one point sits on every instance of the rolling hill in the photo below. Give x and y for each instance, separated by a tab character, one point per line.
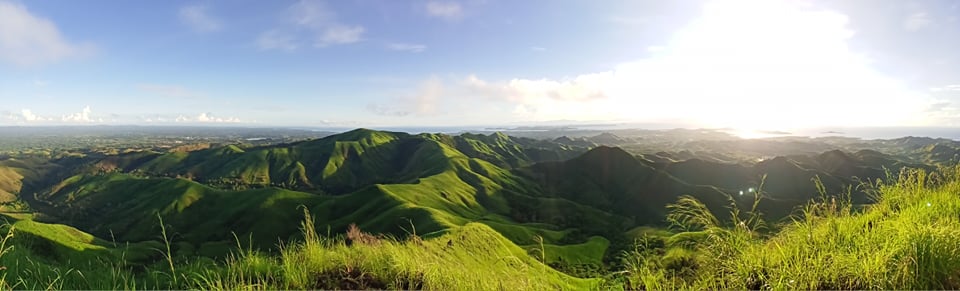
581	202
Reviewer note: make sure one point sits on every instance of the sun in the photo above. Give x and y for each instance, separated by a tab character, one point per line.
762	65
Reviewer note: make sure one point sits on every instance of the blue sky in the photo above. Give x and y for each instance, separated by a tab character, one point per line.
727	63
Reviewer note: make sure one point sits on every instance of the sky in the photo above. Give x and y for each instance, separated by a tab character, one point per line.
745	64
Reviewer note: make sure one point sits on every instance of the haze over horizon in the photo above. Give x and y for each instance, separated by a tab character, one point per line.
743	64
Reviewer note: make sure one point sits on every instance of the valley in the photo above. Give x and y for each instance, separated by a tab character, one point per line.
575	205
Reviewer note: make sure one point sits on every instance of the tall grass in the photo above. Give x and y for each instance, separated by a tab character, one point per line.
472	257
908	239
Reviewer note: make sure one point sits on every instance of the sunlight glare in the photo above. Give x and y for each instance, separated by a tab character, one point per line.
773	64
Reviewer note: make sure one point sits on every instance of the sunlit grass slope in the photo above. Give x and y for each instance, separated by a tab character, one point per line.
10	184
470	257
442	188
337	164
127	206
909	239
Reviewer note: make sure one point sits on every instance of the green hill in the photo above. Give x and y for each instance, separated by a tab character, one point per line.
385	182
493	205
907	240
394	182
612	179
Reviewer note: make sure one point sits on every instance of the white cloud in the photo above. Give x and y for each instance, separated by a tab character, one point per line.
310	21
82	116
538	49
917	21
28	40
742	64
407	47
339	34
445	10
275	39
198	19
28	115
203	118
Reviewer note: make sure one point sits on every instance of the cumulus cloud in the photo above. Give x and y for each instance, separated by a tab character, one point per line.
197	18
407	47
29	40
28	115
82	116
205	117
444	9
313	22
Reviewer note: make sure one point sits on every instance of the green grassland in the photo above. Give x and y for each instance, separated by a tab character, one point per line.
906	240
469	212
469	257
442	188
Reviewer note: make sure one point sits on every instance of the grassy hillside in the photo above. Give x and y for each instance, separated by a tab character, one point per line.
471	257
10	183
907	240
399	184
337	164
473	212
612	179
126	207
576	215
449	190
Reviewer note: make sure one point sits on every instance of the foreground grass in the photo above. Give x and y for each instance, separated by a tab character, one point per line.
909	239
472	257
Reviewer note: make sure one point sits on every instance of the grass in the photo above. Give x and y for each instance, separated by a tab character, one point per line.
449	190
588	254
908	239
471	257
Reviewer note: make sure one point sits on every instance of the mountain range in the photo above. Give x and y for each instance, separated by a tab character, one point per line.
569	192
